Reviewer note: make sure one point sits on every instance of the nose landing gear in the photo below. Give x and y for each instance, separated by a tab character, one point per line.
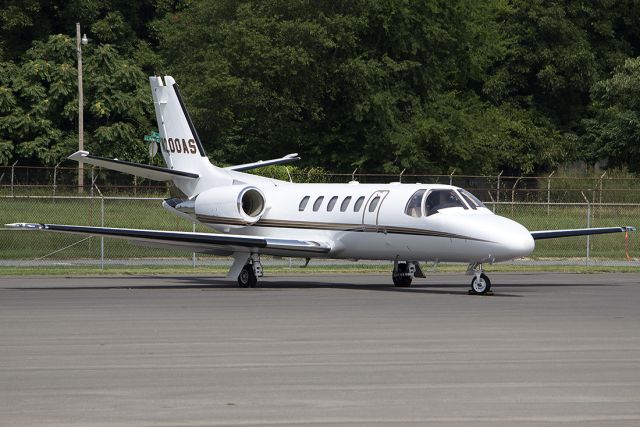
480	284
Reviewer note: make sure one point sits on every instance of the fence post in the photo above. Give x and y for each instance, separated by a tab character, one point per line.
513	194
93	179
193	256
588	226
600	195
353	174
12	166
549	192
55	174
101	237
601	178
497	192
93	184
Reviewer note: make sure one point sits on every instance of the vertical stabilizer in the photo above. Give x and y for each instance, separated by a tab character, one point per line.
180	144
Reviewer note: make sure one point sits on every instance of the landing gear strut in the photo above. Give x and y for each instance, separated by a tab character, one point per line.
480	284
403	273
248	277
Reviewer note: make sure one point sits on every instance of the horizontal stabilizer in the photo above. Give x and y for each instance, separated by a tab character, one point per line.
193	241
155	173
551	234
262	163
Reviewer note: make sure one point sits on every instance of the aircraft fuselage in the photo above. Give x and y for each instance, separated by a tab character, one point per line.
371	221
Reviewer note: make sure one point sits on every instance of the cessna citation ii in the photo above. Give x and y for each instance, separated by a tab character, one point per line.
402	223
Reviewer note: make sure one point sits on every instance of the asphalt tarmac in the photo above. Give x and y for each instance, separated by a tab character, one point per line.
546	349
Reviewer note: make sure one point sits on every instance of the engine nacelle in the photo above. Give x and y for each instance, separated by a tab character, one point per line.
232	205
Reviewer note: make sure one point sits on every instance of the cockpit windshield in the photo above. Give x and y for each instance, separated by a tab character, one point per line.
473	201
442	199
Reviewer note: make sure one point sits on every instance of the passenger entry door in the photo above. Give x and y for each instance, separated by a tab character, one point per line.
372	209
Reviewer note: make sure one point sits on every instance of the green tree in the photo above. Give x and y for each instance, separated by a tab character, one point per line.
346	84
613	131
122	23
38	103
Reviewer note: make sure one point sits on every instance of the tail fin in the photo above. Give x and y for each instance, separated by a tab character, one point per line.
180	144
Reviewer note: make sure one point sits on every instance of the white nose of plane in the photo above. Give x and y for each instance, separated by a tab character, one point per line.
515	241
491	237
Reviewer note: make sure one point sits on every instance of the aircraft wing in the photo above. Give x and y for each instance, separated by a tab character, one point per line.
551	234
155	173
192	241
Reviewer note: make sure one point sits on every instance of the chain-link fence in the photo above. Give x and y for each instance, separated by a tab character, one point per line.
555	188
20	247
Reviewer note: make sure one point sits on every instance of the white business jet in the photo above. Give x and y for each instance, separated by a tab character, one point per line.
403	223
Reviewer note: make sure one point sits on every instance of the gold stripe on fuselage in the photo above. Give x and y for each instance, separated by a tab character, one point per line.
279	223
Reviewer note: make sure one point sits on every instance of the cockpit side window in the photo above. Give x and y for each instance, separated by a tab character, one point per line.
414	204
442	199
471	199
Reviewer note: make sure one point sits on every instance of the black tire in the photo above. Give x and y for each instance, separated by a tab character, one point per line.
482	286
247	278
402	281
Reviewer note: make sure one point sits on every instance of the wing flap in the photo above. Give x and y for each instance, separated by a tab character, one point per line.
201	242
552	234
155	173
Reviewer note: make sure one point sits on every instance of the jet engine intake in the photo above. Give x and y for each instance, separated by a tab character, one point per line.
232	205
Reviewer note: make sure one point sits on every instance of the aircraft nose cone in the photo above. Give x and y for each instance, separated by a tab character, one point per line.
516	239
522	244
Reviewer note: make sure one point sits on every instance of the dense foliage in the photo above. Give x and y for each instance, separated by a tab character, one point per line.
383	85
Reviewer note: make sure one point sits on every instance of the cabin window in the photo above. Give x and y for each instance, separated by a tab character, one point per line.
374	204
442	199
471	199
358	204
345	204
414	205
332	203
317	203
303	203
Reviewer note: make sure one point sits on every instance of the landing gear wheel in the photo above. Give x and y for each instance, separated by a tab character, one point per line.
402	275
480	285
247	278
402	281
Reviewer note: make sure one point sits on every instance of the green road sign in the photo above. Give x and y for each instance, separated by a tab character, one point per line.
152	137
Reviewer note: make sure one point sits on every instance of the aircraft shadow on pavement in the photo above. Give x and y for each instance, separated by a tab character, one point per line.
217	283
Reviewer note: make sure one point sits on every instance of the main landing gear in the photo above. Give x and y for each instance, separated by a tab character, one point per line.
480	284
404	272
248	277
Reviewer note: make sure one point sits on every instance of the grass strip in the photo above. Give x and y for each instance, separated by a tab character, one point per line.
288	271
